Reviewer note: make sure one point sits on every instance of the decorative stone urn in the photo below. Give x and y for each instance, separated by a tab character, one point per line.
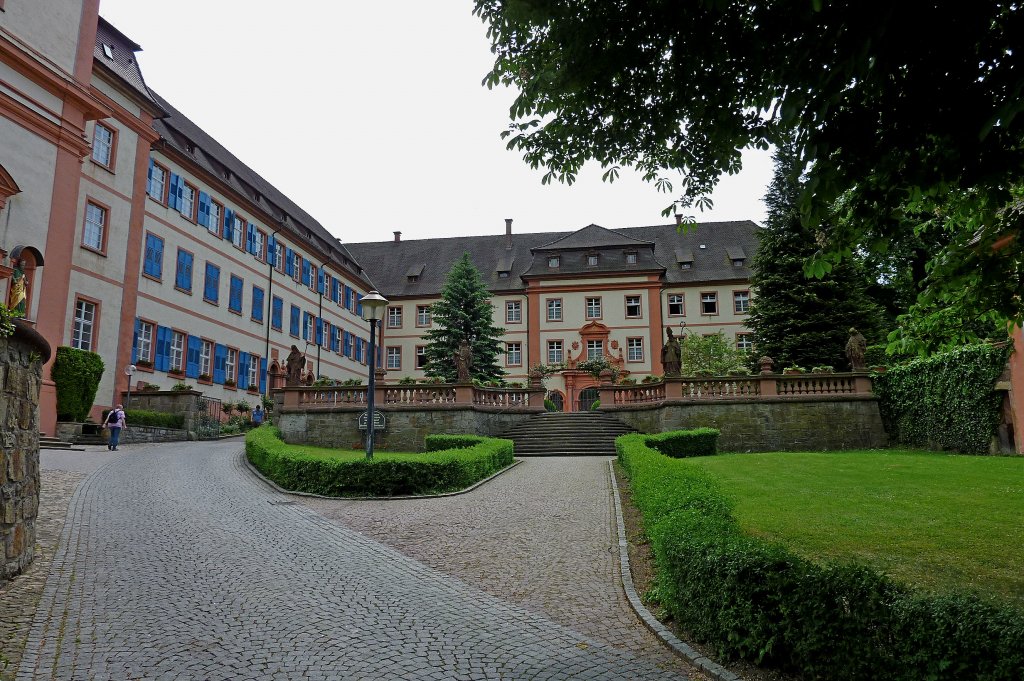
22	356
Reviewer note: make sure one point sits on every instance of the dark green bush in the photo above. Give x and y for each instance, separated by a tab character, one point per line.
549	405
76	375
438	443
682	443
757	601
144	417
946	401
386	475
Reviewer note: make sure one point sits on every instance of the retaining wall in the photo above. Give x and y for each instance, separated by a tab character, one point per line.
21	360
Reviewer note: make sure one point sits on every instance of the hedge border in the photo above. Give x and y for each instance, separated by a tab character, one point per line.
439	471
758	601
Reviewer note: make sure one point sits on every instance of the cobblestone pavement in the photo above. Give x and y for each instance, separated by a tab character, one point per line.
541	535
176	563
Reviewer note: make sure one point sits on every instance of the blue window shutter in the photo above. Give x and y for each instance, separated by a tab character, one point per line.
149	173
135	338
319	281
192	358
359	304
250	238
305	271
263	376
257	303
183	275
235	294
319	332
212	284
229	221
174	193
220	356
294	327
243	370
154	257
277	312
204	209
163	347
289	263
271	249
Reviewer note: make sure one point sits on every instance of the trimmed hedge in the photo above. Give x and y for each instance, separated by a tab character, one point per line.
439	443
76	375
946	401
758	601
349	474
683	443
144	417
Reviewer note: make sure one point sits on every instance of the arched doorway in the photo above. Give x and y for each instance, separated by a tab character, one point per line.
586	398
557	399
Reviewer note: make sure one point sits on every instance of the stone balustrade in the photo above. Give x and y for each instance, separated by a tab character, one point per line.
759	387
432	395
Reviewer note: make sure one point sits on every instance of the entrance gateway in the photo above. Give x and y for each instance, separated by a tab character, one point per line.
586	397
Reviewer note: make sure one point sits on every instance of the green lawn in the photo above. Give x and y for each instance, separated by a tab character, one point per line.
933	520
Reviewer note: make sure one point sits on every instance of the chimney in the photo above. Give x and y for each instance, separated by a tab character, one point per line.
508	233
398	237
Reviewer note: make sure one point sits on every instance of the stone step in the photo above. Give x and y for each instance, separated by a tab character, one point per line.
574	434
46	442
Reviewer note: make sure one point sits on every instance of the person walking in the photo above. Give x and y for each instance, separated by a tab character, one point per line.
257	415
115	422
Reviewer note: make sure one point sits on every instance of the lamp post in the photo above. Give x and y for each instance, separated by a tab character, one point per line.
129	371
374	305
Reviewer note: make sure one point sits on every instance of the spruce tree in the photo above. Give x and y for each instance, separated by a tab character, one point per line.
463	313
799	320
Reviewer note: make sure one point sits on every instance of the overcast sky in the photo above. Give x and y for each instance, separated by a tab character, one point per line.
372	117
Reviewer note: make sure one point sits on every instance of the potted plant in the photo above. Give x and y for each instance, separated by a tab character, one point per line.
150	387
205	378
181	386
407	380
793	370
823	369
229	383
144	364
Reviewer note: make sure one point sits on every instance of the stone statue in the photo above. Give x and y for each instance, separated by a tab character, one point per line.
463	363
856	348
670	355
18	298
295	363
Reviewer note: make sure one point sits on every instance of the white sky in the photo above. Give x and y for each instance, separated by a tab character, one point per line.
372	117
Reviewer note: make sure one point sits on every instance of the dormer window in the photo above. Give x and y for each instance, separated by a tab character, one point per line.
502	275
553	261
413	278
737	255
685	265
737	262
631	258
412	275
592	260
107	51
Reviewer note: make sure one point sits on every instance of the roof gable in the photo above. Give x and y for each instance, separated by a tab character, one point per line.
593	237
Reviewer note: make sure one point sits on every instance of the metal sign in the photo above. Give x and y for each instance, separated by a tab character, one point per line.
379	422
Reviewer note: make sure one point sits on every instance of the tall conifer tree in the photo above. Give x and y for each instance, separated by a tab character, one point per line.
799	320
463	313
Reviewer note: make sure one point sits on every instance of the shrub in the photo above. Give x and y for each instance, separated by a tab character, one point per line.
145	417
76	374
181	386
596	405
946	401
407	380
683	443
243	407
549	405
434	471
823	369
228	408
758	601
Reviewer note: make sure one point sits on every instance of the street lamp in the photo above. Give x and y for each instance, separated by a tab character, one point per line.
129	371
374	305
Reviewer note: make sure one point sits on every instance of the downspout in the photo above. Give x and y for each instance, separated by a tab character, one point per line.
270	310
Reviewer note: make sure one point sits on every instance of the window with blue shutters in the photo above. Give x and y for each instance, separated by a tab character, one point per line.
293	326
359	349
153	263
276	312
346	344
135	335
229	221
334	289
257	304
289	262
211	286
204	209
263	375
243	370
161	361
235	294
174	193
307	327
220	356
348	298
183	271
319	331
359	304
250	238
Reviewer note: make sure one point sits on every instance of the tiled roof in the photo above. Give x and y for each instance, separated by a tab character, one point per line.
122	60
388	262
193	142
592	237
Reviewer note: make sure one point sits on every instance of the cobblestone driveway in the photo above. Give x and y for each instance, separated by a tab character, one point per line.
176	563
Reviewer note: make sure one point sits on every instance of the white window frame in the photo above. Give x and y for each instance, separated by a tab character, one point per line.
554	305
593	260
635	349
513	311
593	303
631	258
556	353
216	217
161	173
595	349
231	365
423	315
707	297
554	261
681	302
514	354
308	326
421	356
145	349
177	351
83	332
393	357
394	317
103	149
745	339
238	231
639	307
741	302
188	198
92	234
259	245
206	358
254	371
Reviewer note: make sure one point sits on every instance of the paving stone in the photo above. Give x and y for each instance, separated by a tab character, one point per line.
173	562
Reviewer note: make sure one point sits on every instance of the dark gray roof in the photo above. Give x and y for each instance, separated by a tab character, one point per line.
121	62
388	261
592	237
191	141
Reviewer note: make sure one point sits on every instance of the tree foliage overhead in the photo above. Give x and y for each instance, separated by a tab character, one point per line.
799	320
463	313
910	109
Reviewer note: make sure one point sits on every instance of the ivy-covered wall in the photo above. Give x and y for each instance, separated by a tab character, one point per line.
946	401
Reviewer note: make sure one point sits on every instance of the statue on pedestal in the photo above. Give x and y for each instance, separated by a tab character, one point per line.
856	349
294	363
463	363
670	355
18	296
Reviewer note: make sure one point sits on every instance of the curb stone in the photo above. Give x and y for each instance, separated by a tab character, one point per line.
282	490
650	621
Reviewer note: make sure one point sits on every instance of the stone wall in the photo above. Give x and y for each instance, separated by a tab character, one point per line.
86	432
405	431
21	359
165	402
770	424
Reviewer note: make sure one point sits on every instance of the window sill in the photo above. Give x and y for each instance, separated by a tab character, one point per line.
211	302
187	292
237	312
91	249
152	278
109	169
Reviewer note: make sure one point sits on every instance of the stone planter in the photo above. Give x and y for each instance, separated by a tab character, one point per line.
22	356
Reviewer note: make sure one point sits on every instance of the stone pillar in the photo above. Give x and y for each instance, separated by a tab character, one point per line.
22	356
606	390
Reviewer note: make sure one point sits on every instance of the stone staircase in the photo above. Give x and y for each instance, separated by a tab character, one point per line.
46	442
585	433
